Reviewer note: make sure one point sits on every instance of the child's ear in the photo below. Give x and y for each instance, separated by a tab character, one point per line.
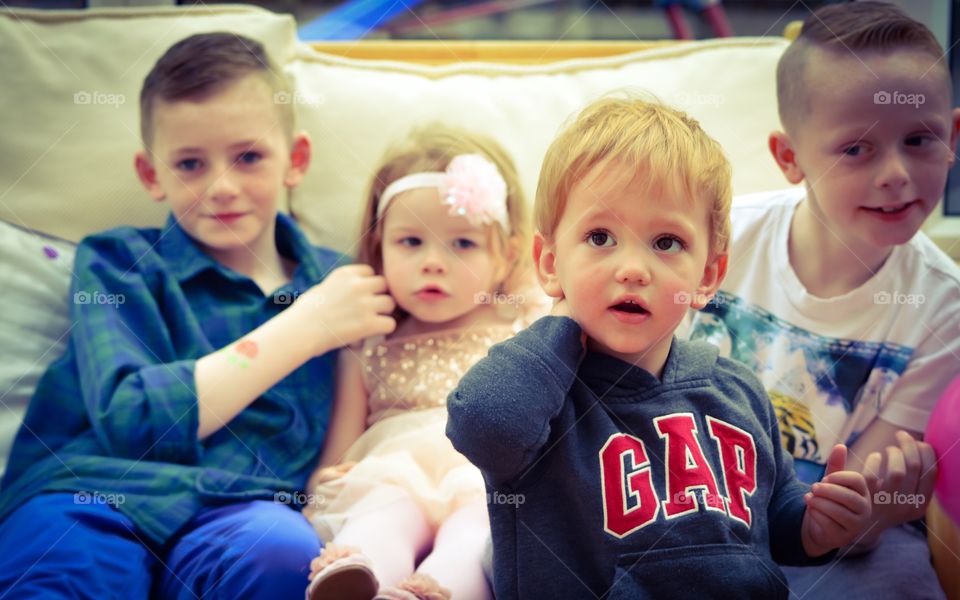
148	175
545	262
299	160
954	130
782	149
713	275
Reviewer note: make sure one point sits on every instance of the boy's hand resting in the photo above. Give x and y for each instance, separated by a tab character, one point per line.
838	507
351	304
323	475
907	476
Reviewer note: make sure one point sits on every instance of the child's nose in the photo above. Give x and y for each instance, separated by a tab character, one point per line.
893	173
434	260
634	269
224	186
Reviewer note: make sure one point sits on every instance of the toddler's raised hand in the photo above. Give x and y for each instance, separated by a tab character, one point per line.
352	303
838	507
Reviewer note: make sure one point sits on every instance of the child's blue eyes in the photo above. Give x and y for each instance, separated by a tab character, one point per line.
244	158
458	244
188	164
853	151
249	158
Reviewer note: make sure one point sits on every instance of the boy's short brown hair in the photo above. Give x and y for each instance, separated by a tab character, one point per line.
664	146
852	27
205	63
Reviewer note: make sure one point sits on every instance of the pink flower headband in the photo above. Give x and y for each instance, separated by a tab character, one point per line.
472	187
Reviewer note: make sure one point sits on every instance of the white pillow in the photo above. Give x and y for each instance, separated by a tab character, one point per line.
354	109
70	99
34	285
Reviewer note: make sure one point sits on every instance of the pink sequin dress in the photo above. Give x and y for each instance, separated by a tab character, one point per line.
405	450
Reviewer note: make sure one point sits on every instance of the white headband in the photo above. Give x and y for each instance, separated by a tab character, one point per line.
472	187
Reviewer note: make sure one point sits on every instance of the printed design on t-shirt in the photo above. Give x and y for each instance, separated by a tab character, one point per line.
797	431
691	482
816	383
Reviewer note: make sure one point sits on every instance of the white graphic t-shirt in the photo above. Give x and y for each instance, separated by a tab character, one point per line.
833	365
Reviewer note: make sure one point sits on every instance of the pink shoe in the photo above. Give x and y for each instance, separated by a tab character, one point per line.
348	576
415	587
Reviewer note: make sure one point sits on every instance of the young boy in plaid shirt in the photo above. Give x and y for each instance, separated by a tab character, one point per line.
193	393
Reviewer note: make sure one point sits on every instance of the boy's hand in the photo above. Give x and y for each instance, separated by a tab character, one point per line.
907	475
351	304
838	507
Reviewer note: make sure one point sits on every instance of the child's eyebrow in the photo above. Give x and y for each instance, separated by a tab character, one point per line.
657	219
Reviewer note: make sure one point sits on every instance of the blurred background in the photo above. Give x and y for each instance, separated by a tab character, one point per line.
534	19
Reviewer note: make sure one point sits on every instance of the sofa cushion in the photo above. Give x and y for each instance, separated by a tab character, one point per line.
354	108
34	286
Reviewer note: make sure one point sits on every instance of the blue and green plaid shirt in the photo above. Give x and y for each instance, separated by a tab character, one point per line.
116	415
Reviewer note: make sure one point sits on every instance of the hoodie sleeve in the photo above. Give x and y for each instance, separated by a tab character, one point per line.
500	414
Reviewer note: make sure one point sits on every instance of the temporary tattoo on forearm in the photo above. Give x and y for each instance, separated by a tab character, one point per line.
244	352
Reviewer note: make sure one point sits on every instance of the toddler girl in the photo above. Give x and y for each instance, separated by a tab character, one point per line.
398	506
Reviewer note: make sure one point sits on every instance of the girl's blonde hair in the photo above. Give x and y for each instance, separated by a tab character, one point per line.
431	148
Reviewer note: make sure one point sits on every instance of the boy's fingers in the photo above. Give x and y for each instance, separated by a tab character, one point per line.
872	471
384	304
896	468
823	520
912	461
837	513
848	496
928	476
837	460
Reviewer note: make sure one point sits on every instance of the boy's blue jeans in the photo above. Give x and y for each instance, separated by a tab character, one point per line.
52	547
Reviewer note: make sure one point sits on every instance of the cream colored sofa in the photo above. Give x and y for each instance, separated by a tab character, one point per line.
69	101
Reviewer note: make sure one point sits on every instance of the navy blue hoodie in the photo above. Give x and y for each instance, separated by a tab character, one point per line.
605	482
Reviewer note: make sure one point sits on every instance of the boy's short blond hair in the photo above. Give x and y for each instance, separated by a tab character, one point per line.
848	27
663	145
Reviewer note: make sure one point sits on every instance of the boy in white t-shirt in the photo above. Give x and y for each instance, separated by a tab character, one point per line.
849	314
